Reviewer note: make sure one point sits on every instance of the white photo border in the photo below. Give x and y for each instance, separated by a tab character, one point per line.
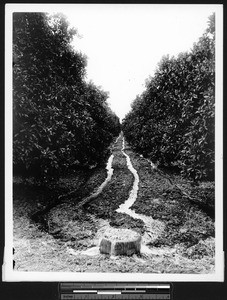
11	275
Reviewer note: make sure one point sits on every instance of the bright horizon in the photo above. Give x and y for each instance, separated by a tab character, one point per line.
125	42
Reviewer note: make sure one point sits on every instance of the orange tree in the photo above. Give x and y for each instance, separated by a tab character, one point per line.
59	121
172	121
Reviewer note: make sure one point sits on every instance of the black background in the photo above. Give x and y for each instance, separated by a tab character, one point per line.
49	290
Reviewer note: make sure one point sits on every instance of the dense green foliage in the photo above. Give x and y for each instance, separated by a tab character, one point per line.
172	121
60	121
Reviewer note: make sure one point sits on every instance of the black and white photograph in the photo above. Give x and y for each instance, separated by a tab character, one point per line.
114	142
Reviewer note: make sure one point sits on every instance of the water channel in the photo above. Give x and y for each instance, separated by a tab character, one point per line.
153	227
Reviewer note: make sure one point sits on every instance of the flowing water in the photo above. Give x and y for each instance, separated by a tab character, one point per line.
124	208
108	178
153	227
101	187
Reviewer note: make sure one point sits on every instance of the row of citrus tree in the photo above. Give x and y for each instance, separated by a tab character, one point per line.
172	121
60	122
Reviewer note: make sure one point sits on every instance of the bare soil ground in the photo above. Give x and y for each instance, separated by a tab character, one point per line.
51	241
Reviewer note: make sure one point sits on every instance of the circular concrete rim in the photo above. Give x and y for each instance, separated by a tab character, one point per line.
114	244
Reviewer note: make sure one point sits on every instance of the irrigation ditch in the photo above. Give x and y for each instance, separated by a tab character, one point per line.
129	194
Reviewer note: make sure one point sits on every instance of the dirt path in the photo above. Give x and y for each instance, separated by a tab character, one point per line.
177	236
